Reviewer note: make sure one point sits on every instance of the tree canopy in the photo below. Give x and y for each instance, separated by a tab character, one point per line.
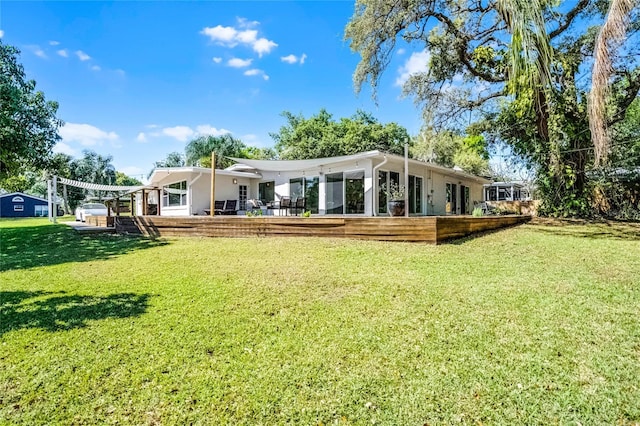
322	136
28	122
488	61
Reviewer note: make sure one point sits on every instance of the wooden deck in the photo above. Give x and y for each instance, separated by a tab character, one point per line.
429	229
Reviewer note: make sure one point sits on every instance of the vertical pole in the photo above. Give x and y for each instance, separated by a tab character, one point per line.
131	206
406	179
159	200
144	203
49	212
55	198
213	184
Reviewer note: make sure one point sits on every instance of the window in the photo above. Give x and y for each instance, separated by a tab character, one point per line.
242	196
175	194
18	208
383	178
452	198
415	194
266	191
17	199
354	190
41	211
307	187
335	193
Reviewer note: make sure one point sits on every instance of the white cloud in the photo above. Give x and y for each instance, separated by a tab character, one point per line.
401	51
255	71
1	33
206	129
243	35
120	72
63	148
247	36
63	53
290	59
95	68
239	63
36	50
86	134
82	56
142	138
152	126
262	46
417	63
54	43
180	133
293	59
217	60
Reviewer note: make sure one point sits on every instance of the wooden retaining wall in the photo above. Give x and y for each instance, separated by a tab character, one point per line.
105	221
430	229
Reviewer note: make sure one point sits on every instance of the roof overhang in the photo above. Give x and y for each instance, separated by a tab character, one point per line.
162	173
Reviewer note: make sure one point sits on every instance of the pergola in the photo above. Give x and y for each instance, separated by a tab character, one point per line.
52	192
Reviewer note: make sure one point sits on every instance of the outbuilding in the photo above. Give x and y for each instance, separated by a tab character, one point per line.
18	204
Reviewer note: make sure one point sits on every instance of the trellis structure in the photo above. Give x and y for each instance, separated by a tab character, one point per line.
52	191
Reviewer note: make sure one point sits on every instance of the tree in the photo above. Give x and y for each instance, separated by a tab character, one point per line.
94	168
450	149
472	72
611	34
124	180
320	136
198	151
173	159
28	123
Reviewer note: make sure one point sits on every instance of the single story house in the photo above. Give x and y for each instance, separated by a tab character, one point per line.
506	191
346	185
18	204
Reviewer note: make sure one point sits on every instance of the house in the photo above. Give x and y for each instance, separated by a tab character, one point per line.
346	185
506	191
18	204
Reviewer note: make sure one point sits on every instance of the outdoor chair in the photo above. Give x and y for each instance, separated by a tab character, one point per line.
218	207
230	208
285	204
299	205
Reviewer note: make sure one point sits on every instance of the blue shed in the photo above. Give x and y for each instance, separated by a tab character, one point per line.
18	204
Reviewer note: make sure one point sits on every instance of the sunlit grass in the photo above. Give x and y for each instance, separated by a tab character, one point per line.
532	325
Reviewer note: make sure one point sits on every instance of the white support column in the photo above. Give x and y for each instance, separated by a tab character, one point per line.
406	179
49	200
54	198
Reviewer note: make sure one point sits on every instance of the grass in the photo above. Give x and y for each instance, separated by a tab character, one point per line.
536	324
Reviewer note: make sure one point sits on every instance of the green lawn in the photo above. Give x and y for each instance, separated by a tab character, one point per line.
537	324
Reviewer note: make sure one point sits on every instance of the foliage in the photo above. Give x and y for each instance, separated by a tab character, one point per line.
393	191
474	73
28	123
450	149
108	329
321	136
477	212
198	151
173	159
124	180
307	213
16	183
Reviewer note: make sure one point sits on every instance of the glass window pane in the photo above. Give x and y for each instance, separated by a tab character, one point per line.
311	192
335	197
354	185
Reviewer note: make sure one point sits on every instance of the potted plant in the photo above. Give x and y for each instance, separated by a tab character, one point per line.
395	198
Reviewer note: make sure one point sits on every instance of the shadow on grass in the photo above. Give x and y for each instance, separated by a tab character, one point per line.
23	247
585	229
64	312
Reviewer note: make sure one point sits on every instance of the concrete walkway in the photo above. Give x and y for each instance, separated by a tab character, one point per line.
85	228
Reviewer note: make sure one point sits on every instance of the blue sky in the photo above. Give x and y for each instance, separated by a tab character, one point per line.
137	80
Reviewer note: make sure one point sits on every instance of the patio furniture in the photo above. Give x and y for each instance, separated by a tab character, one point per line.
299	205
230	207
218	207
285	204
